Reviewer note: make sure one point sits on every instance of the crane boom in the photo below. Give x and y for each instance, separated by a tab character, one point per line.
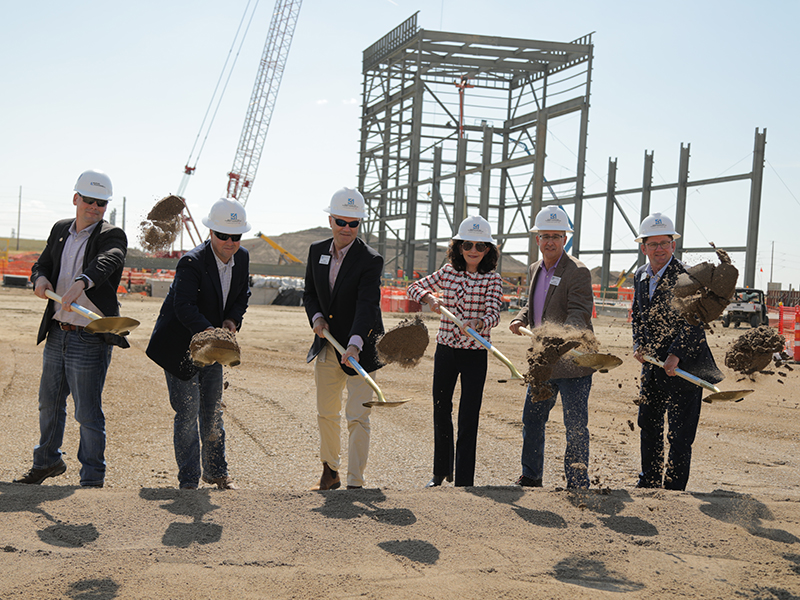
262	101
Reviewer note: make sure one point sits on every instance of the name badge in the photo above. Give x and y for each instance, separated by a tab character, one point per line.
555	280
643	276
325	259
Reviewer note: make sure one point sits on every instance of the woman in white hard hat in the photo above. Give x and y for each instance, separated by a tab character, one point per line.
472	290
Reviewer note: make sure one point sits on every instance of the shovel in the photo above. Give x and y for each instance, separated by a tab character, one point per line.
485	343
717	396
381	401
599	362
115	325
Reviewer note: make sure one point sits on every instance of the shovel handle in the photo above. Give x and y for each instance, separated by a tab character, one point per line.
684	375
77	307
354	363
483	342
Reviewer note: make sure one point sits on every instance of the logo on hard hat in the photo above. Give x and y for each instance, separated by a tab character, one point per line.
97	184
234	217
476	227
657	222
351	201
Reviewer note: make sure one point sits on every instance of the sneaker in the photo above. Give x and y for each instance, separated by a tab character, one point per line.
528	482
224	483
37	476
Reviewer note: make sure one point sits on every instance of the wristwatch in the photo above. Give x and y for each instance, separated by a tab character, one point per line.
86	281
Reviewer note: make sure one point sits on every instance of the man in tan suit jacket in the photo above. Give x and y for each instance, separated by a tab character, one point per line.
560	292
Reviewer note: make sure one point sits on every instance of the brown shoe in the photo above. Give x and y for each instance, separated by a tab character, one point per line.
224	483
329	480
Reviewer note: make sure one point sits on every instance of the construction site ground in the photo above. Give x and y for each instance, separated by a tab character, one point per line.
734	534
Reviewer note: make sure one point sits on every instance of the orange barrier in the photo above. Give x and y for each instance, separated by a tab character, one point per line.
796	335
396	300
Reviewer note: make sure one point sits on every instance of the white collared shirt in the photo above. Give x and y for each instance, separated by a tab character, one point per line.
225	275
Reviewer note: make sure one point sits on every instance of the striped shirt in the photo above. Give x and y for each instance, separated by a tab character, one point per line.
468	296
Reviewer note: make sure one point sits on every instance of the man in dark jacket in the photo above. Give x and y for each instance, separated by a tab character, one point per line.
82	262
342	294
210	290
660	332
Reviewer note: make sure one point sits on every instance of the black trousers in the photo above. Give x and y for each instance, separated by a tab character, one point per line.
448	364
680	401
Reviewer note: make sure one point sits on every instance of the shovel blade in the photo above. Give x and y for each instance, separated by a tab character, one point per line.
384	403
733	395
224	356
598	362
115	325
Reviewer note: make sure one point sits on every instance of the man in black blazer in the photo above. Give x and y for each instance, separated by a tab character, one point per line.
342	294
210	290
659	331
82	262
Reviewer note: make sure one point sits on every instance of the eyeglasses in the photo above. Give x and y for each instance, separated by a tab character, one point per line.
234	237
342	223
550	238
663	245
479	246
90	201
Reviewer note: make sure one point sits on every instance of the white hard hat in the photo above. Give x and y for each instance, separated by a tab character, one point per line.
656	224
551	218
94	184
227	216
475	229
347	202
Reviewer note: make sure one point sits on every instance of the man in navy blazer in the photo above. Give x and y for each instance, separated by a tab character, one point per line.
342	294
210	290
660	331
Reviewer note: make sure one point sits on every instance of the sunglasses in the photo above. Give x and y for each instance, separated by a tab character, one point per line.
479	246
234	237
342	223
90	201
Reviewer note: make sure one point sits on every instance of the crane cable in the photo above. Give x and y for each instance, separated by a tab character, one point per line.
187	172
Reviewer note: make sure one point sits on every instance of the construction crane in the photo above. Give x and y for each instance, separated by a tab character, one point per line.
262	100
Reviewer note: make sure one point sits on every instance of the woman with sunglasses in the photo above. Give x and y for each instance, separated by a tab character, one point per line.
471	289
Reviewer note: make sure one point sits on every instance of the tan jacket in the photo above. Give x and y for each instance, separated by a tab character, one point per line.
568	303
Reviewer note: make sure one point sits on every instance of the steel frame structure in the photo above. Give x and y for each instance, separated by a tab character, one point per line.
453	125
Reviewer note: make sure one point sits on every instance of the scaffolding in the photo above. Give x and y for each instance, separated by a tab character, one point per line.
454	125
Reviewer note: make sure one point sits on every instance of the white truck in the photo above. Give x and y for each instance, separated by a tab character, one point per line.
747	306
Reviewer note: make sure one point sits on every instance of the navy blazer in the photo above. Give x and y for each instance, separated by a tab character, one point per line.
103	261
193	304
354	305
659	329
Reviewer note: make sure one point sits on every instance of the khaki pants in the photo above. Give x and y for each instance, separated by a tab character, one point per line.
331	381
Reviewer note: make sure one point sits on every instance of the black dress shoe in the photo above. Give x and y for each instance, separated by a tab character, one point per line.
355	487
435	482
528	482
37	476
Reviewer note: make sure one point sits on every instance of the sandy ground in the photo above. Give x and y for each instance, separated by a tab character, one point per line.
734	534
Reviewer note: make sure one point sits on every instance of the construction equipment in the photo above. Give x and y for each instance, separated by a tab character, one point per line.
748	306
285	254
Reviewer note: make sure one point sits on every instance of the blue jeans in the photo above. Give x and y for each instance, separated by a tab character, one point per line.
73	362
198	400
575	402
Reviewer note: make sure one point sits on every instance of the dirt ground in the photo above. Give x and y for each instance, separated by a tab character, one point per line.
734	534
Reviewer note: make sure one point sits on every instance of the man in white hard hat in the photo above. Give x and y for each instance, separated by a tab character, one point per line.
660	332
342	295
82	262
210	290
560	292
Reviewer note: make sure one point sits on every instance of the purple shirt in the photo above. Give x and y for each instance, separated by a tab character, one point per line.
540	290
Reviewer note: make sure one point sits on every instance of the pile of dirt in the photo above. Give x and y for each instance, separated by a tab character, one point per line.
753	351
703	292
215	345
163	224
549	343
405	343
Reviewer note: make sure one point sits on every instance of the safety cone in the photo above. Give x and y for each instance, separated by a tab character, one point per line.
797	334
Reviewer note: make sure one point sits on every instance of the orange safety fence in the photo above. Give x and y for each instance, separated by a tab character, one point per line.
788	325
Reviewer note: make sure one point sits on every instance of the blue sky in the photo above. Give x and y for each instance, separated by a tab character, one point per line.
123	87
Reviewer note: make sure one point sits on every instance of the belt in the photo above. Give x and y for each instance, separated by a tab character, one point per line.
69	326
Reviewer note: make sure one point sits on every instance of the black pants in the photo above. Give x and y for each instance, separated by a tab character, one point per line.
680	401
448	364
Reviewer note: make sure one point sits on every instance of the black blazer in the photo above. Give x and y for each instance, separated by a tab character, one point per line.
193	304
354	305
103	262
660	330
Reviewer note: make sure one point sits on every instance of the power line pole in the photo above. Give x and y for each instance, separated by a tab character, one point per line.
19	212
